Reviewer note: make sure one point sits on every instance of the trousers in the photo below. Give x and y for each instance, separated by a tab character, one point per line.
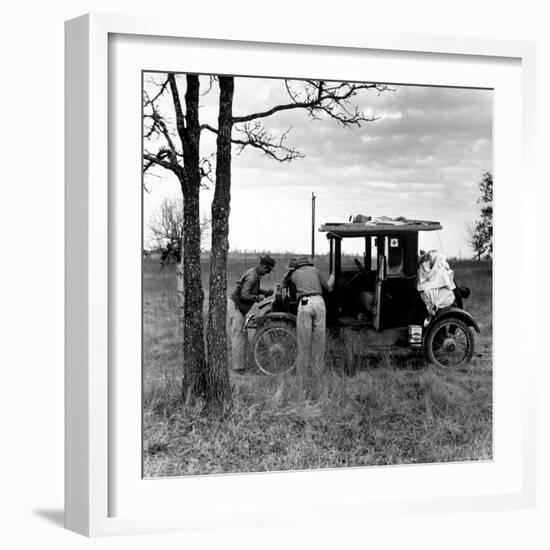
311	335
239	337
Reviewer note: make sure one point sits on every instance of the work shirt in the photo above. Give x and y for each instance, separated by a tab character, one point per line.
246	290
289	285
308	280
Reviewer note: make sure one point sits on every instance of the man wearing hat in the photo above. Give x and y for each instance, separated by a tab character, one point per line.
246	293
311	321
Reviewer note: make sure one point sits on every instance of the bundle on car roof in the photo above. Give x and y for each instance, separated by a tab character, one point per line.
365	225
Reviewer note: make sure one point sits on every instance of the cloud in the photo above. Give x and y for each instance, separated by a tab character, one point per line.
424	156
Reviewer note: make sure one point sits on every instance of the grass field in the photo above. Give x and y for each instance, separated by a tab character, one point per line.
396	410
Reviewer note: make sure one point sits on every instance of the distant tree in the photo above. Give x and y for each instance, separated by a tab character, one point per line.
166	223
480	235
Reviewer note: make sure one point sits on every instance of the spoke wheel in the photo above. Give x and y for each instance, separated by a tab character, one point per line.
274	348
449	343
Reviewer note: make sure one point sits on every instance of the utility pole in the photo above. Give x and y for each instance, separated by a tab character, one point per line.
313	197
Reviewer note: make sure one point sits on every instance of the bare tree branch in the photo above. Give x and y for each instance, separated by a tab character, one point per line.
180	120
162	89
256	135
170	156
158	126
317	98
159	159
317	95
206	170
211	80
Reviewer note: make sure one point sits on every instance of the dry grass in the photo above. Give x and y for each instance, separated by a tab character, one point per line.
395	410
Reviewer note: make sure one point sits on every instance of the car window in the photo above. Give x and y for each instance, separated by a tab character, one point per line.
352	249
373	254
394	248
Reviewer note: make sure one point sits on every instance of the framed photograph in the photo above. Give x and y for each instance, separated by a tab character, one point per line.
290	283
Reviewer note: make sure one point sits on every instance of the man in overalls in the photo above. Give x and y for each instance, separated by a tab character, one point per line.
311	321
246	293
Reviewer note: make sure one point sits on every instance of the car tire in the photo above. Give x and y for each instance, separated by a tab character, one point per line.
275	348
449	343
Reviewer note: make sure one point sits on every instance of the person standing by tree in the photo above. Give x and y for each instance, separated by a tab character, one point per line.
246	293
310	285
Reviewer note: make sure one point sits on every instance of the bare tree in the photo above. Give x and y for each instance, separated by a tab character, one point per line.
166	223
179	152
475	240
318	99
218	390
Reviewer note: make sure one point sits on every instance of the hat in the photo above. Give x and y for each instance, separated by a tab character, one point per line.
292	263
268	261
304	260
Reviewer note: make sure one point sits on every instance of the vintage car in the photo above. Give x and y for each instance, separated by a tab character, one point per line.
375	304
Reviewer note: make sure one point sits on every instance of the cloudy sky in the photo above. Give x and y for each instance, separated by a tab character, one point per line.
423	158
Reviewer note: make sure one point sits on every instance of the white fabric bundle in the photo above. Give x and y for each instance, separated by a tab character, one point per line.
435	281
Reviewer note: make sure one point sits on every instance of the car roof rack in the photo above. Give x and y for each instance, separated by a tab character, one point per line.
378	226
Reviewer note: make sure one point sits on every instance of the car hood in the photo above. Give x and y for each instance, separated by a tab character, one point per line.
259	309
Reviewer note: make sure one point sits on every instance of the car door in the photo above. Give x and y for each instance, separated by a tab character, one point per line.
378	290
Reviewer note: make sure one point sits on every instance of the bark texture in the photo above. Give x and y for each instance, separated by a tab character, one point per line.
218	390
194	379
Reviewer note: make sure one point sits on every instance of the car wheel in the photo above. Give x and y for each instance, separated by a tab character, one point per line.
274	348
449	343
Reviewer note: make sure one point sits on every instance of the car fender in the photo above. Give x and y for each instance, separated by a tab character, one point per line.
258	311
274	316
279	316
458	313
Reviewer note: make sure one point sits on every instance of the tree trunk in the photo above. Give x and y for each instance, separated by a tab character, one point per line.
193	299
218	390
194	380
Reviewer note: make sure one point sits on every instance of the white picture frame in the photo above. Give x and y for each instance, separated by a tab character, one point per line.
98	400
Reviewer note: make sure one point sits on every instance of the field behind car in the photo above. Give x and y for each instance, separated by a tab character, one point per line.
395	410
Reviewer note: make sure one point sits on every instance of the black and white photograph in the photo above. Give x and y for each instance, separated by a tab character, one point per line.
316	274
